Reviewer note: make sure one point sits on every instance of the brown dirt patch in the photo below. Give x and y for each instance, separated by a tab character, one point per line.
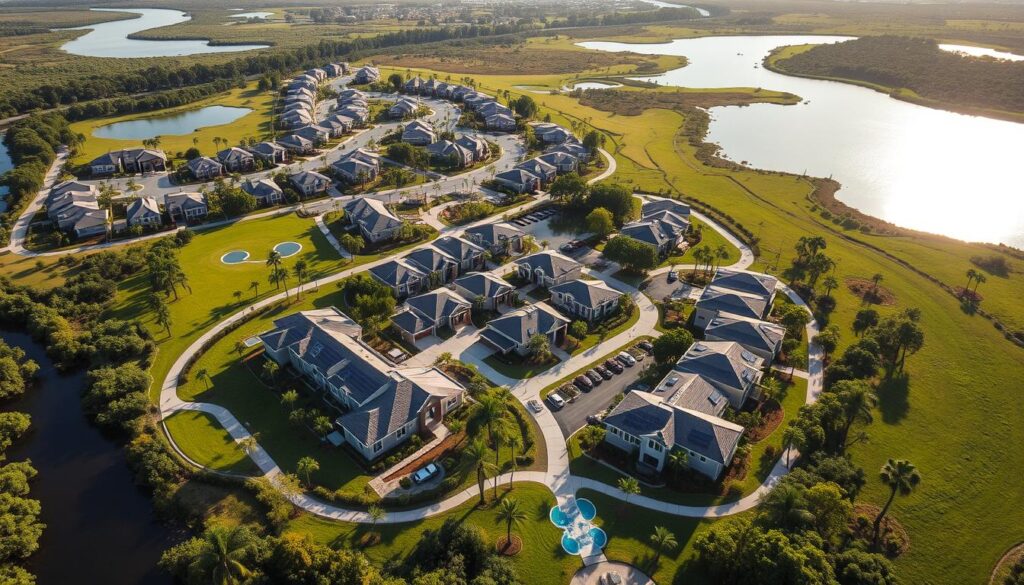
866	291
967	295
369	539
1002	568
892	530
772	414
513	60
509	549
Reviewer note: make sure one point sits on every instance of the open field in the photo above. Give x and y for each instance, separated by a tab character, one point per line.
256	124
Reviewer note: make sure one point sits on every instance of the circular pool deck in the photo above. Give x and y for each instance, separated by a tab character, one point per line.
287	249
235	257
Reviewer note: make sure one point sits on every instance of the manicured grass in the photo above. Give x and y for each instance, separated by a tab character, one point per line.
521	369
712	240
542	561
593	339
759	466
255	124
203	440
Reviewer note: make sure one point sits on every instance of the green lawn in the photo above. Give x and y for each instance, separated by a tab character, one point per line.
712	240
203	440
542	561
593	339
520	368
760	466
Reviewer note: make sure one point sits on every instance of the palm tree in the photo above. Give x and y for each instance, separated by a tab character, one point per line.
662	540
971	275
240	347
830	284
376	514
489	411
721	253
220	560
301	271
478	455
857	401
249	443
163	317
270	370
204	375
238	296
510	513
255	287
677	460
877	278
274	262
901	476
978	279
289	398
629	486
515	443
770	388
306	467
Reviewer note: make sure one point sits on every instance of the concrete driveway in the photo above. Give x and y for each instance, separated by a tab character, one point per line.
658	287
574	415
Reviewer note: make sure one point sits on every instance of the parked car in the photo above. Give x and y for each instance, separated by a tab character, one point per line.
613	365
605	373
535	406
556	401
637	354
646	346
672	276
583	383
594	377
626	359
593	419
424	474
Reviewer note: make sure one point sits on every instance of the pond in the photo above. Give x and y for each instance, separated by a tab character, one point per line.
982	52
235	257
594	85
907	164
100	527
110	39
174	124
286	249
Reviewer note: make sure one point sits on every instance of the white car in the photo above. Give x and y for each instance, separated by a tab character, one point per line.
626	359
556	401
535	406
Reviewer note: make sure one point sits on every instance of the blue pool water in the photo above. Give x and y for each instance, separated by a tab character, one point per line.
286	249
570	545
235	257
587	509
600	538
558	517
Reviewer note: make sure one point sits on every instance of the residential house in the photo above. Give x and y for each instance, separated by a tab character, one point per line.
760	338
271	153
403	108
450	153
418	133
572	147
424	314
187	207
500	122
366	74
296	144
428	87
755	283
412	86
658	205
145	212
355	171
727	366
518	180
403	278
384	406
134	160
360	116
296	119
367	156
204	168
549	133
309	183
439	267
469	255
302	83
459	92
236	160
512	331
654	234
266	191
540	169
716	300
474	102
590	300
350	93
335	69
315	134
486	289
500	238
478	146
76	210
375	221
642	424
493	108
548	268
563	162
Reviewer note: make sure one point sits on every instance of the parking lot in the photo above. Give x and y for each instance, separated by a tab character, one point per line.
538	225
573	416
659	287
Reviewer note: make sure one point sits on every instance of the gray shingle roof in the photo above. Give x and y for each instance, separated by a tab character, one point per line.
458	248
677	207
747	282
396	272
437	304
141	207
721	362
491	234
750	333
589	293
730	301
691	391
523	324
553	264
430	259
483	284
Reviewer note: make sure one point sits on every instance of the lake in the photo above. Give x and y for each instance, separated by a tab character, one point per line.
911	165
174	125
5	165
981	52
660	4
100	527
110	39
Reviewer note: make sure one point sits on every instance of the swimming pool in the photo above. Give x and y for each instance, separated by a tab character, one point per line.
570	544
579	536
599	537
235	257
286	249
587	509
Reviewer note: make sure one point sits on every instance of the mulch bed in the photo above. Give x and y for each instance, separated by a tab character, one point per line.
772	414
967	295
866	290
509	549
436	453
1002	568
891	528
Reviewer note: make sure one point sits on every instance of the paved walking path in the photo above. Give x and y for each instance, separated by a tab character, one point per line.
557	477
